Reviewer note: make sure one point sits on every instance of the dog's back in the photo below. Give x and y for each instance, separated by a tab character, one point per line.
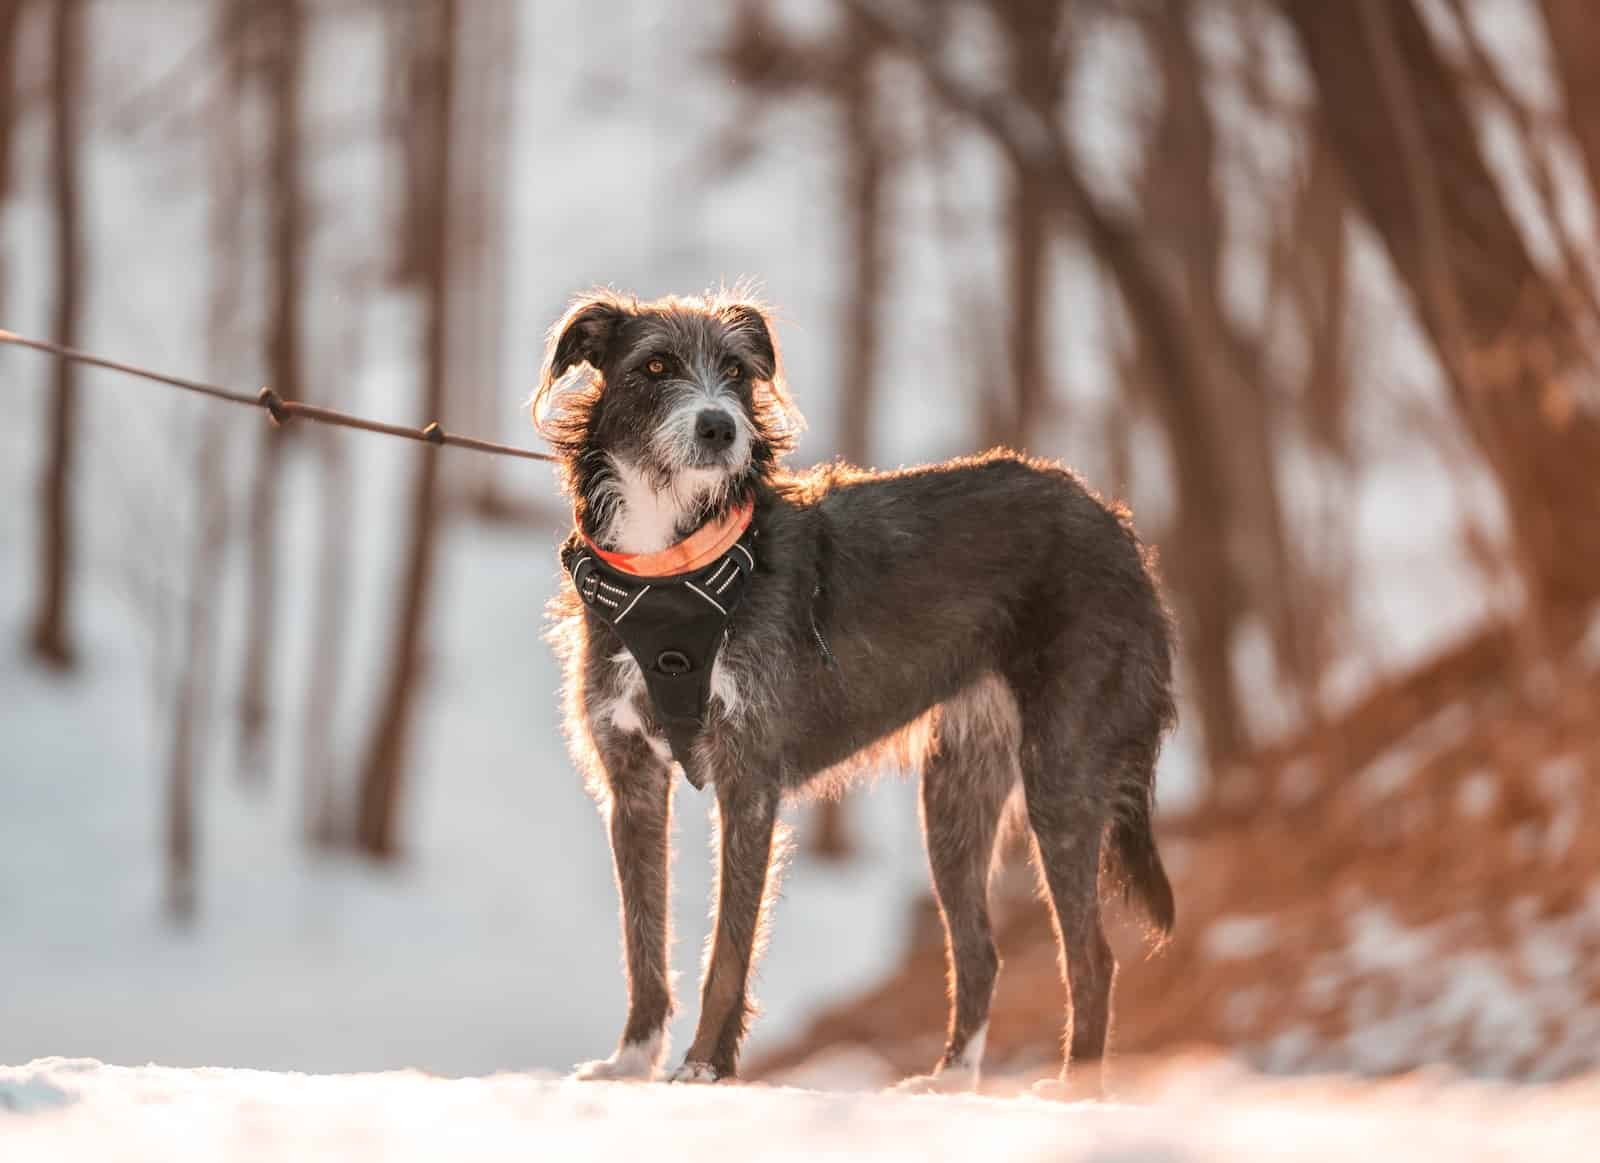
924	582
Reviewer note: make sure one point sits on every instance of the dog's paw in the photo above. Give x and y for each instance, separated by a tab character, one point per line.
616	1068
1071	1089
951	1081
635	1062
695	1072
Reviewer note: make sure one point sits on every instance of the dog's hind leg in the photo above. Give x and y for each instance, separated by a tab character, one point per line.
968	773
640	812
747	813
1069	762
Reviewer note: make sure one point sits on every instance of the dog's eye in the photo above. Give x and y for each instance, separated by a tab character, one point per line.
656	366
733	370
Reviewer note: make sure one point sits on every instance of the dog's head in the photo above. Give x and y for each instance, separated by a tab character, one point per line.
664	412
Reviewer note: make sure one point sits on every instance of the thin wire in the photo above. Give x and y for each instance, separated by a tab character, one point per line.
281	410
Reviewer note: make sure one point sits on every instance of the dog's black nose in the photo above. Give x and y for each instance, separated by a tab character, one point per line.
714	429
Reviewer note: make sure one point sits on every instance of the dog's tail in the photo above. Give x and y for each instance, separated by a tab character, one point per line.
1133	845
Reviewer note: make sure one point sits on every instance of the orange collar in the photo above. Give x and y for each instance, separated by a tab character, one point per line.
695	551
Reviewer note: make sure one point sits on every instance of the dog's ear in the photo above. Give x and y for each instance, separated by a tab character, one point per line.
778	419
582	335
748	320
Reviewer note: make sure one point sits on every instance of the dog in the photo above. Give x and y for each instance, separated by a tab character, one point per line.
987	620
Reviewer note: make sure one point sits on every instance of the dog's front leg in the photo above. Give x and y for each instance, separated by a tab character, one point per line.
640	818
746	817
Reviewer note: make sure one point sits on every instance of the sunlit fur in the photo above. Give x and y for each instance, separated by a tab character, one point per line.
987	622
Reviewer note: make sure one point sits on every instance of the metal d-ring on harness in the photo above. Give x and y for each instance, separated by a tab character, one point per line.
673	626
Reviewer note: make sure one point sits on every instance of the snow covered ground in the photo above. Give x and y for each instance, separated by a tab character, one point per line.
63	1110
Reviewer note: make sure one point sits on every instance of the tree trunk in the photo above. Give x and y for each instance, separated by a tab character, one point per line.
485	100
10	23
319	759
286	262
1411	158
866	252
1037	72
389	748
1574	37
191	705
1184	216
52	637
320	806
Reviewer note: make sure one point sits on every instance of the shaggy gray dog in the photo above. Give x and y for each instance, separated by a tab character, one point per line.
987	620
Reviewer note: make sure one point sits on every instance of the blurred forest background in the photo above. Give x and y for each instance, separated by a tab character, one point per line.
1313	286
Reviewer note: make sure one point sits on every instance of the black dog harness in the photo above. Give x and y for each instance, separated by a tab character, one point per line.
673	625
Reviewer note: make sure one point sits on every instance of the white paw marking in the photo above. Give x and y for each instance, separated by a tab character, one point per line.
1069	1090
947	1080
694	1072
959	1075
635	1061
971	1056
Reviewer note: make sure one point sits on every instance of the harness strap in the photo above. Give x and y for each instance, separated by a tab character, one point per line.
672	624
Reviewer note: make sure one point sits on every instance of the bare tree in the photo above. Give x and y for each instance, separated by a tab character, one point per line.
1574	39
331	589
10	24
865	246
286	263
208	537
388	750
1033	33
52	637
1411	158
486	126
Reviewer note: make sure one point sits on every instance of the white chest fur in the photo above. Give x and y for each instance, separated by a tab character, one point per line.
623	709
637	517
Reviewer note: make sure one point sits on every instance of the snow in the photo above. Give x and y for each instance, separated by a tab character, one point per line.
66	1110
1240	938
1477	795
1561	781
1398	995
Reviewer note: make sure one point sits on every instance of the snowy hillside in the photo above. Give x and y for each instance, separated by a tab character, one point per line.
64	1110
